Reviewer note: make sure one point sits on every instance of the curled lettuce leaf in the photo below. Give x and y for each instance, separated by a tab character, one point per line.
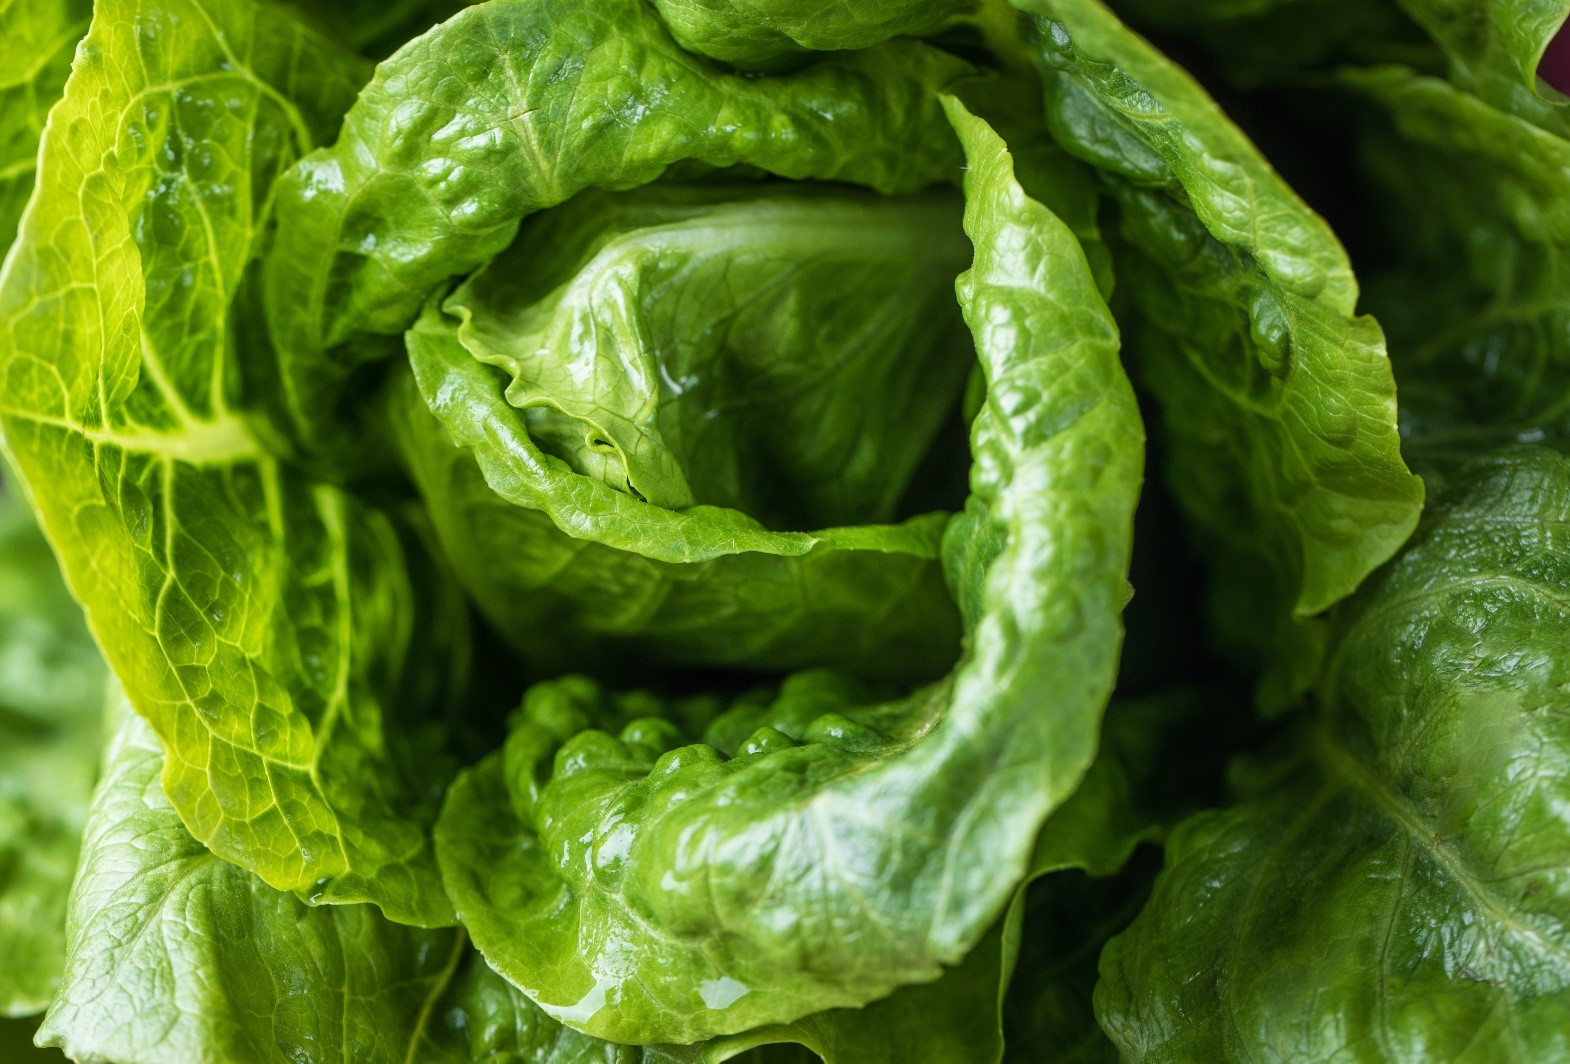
268	624
1122	802
687	375
155	915
820	850
1277	398
177	955
1392	885
516	105
51	691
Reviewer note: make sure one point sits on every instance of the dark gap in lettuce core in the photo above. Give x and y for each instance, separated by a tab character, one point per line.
942	480
1555	67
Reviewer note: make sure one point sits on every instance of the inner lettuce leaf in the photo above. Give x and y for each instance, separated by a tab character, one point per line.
268	624
820	850
688	374
677	342
514	106
1277	397
51	694
1392	883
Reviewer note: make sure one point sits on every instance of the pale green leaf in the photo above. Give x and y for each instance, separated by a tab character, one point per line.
267	624
179	957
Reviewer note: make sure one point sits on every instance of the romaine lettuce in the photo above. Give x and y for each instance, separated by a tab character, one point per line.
611	521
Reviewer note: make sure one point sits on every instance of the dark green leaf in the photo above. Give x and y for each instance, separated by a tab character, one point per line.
1278	399
1392	886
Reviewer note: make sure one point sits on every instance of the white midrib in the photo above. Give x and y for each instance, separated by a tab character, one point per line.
223	440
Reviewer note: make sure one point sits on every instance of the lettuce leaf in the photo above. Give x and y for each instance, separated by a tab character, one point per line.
265	621
516	105
1475	302
1277	398
660	388
177	955
763	34
36	42
1392	882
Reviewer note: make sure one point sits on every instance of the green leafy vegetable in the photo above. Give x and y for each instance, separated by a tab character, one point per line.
514	106
611	524
1475	304
651	890
1244	329
177	955
36	41
767	33
683	372
1393	885
263	621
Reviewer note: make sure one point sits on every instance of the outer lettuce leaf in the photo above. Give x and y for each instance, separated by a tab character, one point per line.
179	956
1392	886
37	38
265	623
51	693
819	851
1476	306
769	33
1470	186
516	105
1277	398
676	366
